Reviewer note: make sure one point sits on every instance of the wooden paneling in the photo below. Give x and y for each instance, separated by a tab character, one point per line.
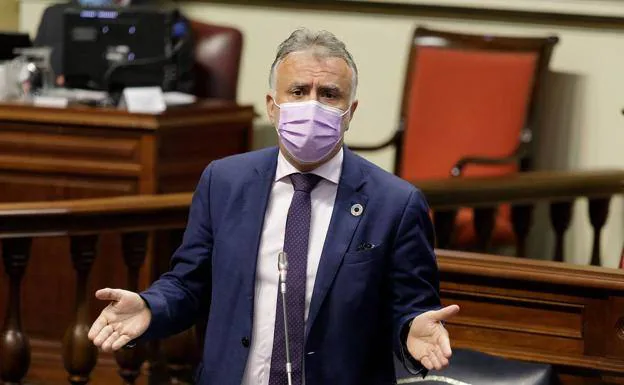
184	153
45	367
566	315
80	152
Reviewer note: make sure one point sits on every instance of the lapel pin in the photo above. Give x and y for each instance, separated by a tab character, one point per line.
357	210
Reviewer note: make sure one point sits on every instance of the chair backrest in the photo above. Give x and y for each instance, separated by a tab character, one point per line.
468	95
218	52
472	367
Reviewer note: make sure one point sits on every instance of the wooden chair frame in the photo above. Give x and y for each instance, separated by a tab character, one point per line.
427	37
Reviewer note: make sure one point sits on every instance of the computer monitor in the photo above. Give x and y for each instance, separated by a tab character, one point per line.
112	48
10	41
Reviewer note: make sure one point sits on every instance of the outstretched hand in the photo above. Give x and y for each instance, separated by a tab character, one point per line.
428	341
124	319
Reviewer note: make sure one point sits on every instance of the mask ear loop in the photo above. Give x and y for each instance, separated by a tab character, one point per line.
276	105
274	102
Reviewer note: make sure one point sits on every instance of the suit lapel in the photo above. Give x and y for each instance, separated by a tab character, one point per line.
256	198
340	232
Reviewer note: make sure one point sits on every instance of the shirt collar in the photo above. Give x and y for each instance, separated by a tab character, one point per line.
329	170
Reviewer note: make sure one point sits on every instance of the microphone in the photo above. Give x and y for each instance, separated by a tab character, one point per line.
282	267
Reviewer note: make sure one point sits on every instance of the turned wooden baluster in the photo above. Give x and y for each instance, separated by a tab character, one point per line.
560	216
134	247
79	354
180	350
14	346
598	213
521	217
444	223
484	225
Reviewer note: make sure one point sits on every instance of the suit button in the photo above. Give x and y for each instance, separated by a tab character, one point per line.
245	342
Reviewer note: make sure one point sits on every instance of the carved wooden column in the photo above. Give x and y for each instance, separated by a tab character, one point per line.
521	217
560	216
444	223
79	353
483	223
181	349
598	213
134	247
14	346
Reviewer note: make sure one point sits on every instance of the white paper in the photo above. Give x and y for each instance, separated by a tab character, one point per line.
50	101
175	98
144	100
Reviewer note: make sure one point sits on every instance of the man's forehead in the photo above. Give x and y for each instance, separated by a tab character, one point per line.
305	64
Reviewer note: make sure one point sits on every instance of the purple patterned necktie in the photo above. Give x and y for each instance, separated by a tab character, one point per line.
296	248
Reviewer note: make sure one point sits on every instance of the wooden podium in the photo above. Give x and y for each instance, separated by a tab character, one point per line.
50	154
82	152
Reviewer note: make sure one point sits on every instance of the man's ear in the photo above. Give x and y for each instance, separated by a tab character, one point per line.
351	112
272	112
353	108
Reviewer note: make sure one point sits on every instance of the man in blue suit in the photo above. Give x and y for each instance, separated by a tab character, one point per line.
360	280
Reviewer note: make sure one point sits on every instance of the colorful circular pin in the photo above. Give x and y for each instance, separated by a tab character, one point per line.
357	210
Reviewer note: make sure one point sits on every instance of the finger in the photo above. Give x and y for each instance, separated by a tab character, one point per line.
103	335
97	326
426	363
434	361
443	360
445	345
109	294
445	313
121	342
106	346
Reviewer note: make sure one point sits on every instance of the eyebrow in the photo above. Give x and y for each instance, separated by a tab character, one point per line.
332	88
327	87
299	85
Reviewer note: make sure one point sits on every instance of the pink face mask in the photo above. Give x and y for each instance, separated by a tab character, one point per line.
309	130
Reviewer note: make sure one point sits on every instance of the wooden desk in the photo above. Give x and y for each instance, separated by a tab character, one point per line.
566	315
51	154
82	152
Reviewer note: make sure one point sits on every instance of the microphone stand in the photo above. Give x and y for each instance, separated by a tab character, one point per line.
282	265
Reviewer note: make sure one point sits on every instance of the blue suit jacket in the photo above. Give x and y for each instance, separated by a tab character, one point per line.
362	299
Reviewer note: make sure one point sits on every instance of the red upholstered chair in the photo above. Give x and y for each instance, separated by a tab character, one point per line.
468	109
218	52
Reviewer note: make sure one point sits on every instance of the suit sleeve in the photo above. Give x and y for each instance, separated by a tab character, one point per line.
175	299
414	274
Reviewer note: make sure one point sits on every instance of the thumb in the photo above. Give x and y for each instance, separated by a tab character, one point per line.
444	313
109	294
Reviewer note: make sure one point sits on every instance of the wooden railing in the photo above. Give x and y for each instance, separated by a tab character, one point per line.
135	217
522	192
83	221
566	315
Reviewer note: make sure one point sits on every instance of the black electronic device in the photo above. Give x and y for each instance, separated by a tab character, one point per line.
113	48
10	41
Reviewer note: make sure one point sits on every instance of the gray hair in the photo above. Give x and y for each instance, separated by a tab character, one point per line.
323	43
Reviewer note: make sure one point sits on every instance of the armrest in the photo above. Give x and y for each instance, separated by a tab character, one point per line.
394	140
520	152
484	161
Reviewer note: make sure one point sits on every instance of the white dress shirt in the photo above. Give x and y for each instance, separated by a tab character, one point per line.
272	242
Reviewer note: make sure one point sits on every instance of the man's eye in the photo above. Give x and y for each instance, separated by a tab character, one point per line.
329	95
297	92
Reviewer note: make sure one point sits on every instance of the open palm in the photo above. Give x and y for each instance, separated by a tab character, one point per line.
125	318
428	341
